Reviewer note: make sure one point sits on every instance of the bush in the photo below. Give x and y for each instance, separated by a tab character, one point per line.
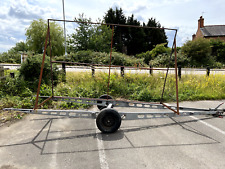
30	71
218	49
150	55
88	56
10	57
198	51
163	60
14	87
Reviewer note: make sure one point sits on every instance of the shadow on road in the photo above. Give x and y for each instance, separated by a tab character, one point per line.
119	135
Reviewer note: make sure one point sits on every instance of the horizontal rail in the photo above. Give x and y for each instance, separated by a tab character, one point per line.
66	113
100	65
129	104
124	115
110	24
105	102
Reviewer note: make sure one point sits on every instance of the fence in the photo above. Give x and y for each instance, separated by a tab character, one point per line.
151	70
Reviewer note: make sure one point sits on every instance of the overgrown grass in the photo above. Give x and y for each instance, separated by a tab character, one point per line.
143	87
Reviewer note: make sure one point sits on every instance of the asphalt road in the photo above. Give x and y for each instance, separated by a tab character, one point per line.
47	142
184	71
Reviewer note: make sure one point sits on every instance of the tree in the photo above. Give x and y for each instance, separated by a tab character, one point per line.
136	40
218	49
154	36
117	17
100	41
20	47
198	51
134	37
89	36
36	35
31	68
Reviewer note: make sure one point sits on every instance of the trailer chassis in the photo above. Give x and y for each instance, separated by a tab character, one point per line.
108	119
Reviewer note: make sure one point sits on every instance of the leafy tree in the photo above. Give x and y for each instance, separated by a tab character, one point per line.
154	36
13	54
10	57
30	71
117	17
100	41
36	35
198	51
90	36
218	49
134	37
136	40
20	46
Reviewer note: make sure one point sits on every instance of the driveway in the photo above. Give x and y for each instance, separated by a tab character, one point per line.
40	141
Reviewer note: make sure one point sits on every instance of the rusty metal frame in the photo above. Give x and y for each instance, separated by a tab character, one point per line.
112	26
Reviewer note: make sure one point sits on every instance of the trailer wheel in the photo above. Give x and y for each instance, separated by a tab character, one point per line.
108	120
105	96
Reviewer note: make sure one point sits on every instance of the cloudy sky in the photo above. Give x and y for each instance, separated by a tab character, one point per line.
16	15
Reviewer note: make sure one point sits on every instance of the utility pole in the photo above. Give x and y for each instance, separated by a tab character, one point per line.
64	26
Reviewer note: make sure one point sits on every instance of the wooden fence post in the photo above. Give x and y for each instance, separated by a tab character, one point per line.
64	72
150	70
179	72
122	71
93	71
207	70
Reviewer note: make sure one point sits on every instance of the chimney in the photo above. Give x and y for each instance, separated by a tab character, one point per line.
193	36
201	22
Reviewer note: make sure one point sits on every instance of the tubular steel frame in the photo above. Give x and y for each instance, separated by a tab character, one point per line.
160	105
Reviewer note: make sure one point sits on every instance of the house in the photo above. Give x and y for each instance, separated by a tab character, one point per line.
209	31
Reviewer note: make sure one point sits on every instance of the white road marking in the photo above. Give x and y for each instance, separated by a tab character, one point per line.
209	125
101	151
53	162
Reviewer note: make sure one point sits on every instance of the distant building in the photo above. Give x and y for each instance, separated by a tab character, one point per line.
209	31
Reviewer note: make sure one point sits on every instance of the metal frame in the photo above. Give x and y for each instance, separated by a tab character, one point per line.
110	103
84	100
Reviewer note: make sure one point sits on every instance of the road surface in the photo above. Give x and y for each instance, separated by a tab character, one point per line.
184	71
39	141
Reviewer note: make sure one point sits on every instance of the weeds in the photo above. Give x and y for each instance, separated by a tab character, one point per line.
142	87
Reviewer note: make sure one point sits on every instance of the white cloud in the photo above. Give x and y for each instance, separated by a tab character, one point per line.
16	15
13	39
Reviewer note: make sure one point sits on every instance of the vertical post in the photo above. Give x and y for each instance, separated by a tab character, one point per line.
12	75
110	60
1	71
64	72
50	53
42	67
64	25
175	52
179	72
122	71
93	71
207	70
150	70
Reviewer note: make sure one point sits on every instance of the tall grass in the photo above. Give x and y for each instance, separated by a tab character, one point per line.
143	87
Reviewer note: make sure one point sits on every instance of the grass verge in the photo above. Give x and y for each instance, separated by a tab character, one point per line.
142	87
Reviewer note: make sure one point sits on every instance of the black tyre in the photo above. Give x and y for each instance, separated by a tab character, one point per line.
105	96
108	120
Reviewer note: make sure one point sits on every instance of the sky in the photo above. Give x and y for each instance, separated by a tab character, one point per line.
17	15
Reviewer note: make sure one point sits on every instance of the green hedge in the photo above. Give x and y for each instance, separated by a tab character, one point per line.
89	56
